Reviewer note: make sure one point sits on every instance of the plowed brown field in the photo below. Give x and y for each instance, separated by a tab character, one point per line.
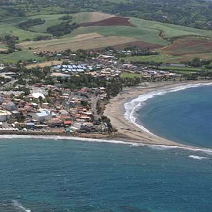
113	21
189	45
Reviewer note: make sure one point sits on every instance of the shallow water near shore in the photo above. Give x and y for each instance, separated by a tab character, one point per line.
184	116
59	176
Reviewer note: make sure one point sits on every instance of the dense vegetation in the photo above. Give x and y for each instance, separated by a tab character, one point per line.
10	42
62	29
31	22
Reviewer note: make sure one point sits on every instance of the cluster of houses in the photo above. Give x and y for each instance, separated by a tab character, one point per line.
72	68
53	110
107	65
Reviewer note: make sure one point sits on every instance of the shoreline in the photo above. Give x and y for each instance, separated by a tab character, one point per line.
128	133
130	130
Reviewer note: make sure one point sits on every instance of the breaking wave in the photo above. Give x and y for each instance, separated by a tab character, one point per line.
134	105
19	206
129	143
197	157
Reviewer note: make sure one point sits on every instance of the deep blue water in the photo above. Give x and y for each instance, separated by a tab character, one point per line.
184	116
61	176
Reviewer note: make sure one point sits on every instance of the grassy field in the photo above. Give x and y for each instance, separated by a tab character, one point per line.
130	75
13	30
86	41
184	69
90	17
168	58
16	56
147	31
169	30
103	36
3	47
50	20
151	58
44	64
146	35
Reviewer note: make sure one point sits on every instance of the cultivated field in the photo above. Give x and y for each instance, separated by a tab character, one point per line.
85	41
84	17
188	45
99	30
113	21
140	44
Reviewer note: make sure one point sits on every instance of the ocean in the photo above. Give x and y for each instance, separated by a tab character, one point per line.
66	175
184	116
57	175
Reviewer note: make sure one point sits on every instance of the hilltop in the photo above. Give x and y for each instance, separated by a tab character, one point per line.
95	30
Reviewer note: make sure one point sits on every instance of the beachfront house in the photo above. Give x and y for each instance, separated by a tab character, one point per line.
4	115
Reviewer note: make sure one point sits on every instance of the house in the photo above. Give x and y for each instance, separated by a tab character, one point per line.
67	123
55	122
38	95
42	115
4	115
9	106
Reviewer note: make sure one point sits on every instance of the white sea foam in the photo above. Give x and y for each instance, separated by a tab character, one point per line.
197	157
132	106
19	206
136	144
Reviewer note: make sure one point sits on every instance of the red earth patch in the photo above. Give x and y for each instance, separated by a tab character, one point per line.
113	21
189	45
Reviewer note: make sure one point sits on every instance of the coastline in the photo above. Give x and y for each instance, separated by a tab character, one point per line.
127	133
129	130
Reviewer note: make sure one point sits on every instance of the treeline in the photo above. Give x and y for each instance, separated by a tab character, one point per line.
193	13
31	22
66	18
197	62
10	42
62	28
113	86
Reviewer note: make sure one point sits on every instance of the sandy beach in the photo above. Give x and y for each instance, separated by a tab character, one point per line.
128	131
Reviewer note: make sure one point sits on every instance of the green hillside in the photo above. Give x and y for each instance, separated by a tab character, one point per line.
142	30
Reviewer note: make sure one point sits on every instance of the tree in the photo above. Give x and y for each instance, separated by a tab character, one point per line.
196	62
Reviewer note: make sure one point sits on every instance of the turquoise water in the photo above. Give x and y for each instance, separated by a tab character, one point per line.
61	176
184	116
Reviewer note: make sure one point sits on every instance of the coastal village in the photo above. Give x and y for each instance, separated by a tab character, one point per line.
55	105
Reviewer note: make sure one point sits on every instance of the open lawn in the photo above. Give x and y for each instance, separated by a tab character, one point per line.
44	64
177	69
130	75
151	58
50	20
13	30
20	55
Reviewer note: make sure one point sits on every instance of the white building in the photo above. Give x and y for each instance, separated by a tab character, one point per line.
4	115
42	115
